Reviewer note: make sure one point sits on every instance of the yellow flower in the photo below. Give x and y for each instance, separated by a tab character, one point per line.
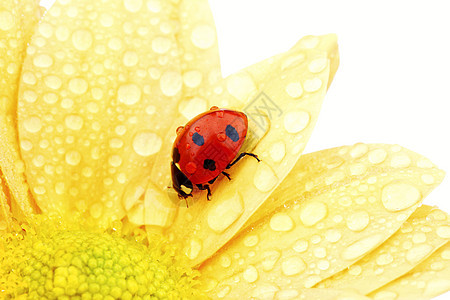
91	96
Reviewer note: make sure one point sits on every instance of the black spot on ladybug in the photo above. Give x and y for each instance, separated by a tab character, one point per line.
175	155
232	133
198	139
209	164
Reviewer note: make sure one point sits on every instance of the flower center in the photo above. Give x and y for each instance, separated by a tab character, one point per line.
54	263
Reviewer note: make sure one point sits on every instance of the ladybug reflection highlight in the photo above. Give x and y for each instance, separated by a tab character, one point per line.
205	147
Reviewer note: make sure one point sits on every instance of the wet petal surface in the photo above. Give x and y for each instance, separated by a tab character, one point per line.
417	239
429	279
278	134
328	216
18	20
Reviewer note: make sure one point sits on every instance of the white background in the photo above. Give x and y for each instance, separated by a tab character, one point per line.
393	83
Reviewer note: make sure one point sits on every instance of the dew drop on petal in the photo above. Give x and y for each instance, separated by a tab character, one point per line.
358	221
203	36
146	143
73	158
443	232
361	246
32	124
293	266
296	121
377	156
250	274
192	107
294	90
317	65
281	222
270	258
78	86
300	246
312	85
194	247
312	213
43	61
240	86
82	39
277	151
74	122
192	79
417	253
264	178
170	83
130	59
161	45
398	196
6	20
133	5
129	94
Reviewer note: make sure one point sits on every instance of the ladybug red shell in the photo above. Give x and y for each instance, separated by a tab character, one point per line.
205	147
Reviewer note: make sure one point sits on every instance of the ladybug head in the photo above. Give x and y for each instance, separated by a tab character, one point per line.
180	182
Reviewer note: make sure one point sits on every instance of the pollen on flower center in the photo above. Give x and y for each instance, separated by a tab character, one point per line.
90	265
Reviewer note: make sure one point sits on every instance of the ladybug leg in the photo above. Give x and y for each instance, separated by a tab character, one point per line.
205	187
226	175
241	156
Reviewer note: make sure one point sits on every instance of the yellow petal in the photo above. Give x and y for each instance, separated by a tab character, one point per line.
101	88
335	207
417	239
289	100
427	280
17	23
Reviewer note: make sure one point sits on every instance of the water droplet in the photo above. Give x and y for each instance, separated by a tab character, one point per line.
312	85
309	42
357	169
296	121
115	160
317	65
74	122
32	124
384	259
266	291
417	253
320	252
161	45
115	44
435	287
355	270
361	246
419	237
6	20
358	150
73	158
53	82
251	240
300	246
106	20
277	151
170	83
323	265
78	86
294	90
428	179
333	235
221	136
130	59
146	143
82	39
29	78
293	266
30	96
377	156
400	161
133	5
264	178
225	260
240	86
312	213
225	211
203	36
281	222
154	6
129	94
358	220
43	61
270	258
398	196
194	248
96	210
250	274
292	60
443	231
192	79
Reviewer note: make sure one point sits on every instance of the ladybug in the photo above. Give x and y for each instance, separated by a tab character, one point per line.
205	147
